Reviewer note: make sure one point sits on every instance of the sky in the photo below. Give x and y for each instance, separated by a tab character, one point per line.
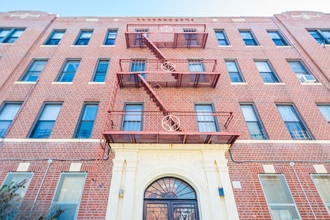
165	8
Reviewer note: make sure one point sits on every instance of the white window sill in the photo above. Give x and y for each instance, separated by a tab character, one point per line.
55	83
24	82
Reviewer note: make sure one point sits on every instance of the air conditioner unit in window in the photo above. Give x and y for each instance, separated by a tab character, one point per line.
308	79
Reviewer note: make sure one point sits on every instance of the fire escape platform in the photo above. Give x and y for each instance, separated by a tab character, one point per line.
167	35
170	73
172	127
170	137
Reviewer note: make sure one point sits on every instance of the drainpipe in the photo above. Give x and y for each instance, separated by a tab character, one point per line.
42	183
302	188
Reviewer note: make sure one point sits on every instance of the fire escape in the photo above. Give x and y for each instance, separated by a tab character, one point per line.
165	125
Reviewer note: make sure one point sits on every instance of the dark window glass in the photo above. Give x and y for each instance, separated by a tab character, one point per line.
277	38
84	38
111	37
205	120
34	70
221	37
248	38
234	73
86	122
55	38
69	71
293	122
10	35
46	121
101	71
253	122
266	72
7	114
132	120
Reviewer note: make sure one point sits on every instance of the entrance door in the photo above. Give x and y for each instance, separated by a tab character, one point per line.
170	199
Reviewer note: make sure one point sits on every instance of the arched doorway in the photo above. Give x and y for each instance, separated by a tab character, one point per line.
170	198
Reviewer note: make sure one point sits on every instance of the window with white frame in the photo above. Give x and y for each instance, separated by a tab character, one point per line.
34	70
266	72
321	36
68	195
322	184
46	121
301	72
10	35
278	197
293	122
277	38
17	183
248	38
325	110
55	37
234	72
253	122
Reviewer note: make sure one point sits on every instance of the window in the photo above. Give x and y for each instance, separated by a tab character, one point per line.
133	117
101	71
137	66
18	182
33	72
68	194
277	38
321	36
266	72
248	38
7	114
221	37
325	110
253	122
86	122
111	37
322	184
69	71
278	197
234	73
138	40
293	122
197	66
46	121
190	36
84	38
205	120
55	37
10	35
170	198
301	72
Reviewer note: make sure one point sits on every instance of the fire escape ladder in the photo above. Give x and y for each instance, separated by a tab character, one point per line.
152	94
152	47
159	103
99	157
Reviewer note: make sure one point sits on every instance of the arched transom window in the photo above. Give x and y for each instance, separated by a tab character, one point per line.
170	198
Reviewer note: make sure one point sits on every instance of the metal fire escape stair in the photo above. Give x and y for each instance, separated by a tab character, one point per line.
158	54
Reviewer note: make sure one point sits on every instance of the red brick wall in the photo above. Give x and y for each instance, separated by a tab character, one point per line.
225	97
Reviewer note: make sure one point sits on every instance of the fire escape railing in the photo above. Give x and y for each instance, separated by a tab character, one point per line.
170	73
155	127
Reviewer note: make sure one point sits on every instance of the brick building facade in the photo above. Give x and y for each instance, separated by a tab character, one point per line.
113	118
